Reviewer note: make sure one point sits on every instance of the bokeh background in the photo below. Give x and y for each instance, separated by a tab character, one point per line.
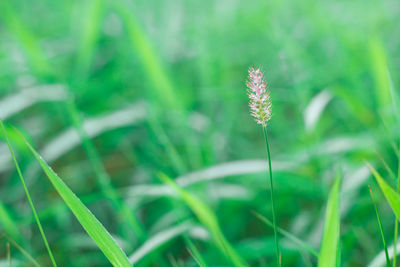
159	87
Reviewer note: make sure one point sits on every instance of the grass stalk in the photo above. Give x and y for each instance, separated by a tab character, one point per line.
396	222
380	228
104	179
9	254
194	252
28	196
289	236
22	250
278	257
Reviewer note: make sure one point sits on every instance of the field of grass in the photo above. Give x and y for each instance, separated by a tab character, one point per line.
127	137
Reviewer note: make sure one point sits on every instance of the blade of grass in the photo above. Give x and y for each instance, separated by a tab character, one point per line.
380	227
163	87
89	222
339	254
104	179
28	196
328	252
207	218
288	235
9	253
23	251
7	222
159	239
388	169
194	252
28	41
175	157
89	28
396	222
380	72
172	261
391	196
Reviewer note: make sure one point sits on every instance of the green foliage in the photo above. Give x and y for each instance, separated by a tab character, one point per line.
208	219
28	195
289	236
159	86
330	240
380	228
88	221
392	197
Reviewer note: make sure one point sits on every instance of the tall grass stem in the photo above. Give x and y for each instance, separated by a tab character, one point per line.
380	228
28	196
396	222
278	258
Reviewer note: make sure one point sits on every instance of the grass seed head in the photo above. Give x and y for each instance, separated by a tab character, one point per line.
260	101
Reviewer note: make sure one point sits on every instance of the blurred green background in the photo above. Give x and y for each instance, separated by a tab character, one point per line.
159	86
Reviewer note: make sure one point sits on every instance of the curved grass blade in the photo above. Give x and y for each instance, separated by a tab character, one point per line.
328	253
380	228
158	240
391	196
103	177
28	196
208	219
288	235
7	223
194	252
9	253
88	221
23	251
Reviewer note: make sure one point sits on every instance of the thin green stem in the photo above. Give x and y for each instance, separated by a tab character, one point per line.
28	196
194	252
380	228
396	223
9	254
104	179
23	251
278	258
288	235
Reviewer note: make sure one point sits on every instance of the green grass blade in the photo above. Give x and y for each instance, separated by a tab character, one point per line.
194	252
380	72
23	251
380	227
9	253
396	222
28	41
339	254
208	219
103	179
7	223
391	196
162	84
330	239
88	221
159	239
28	196
288	235
88	33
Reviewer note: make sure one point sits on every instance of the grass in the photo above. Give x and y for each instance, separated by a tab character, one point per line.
331	235
189	70
278	254
28	195
381	229
92	226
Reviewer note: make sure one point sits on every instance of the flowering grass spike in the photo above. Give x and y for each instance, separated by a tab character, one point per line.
260	101
260	109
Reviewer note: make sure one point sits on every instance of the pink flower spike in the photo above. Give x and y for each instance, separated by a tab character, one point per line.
260	102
